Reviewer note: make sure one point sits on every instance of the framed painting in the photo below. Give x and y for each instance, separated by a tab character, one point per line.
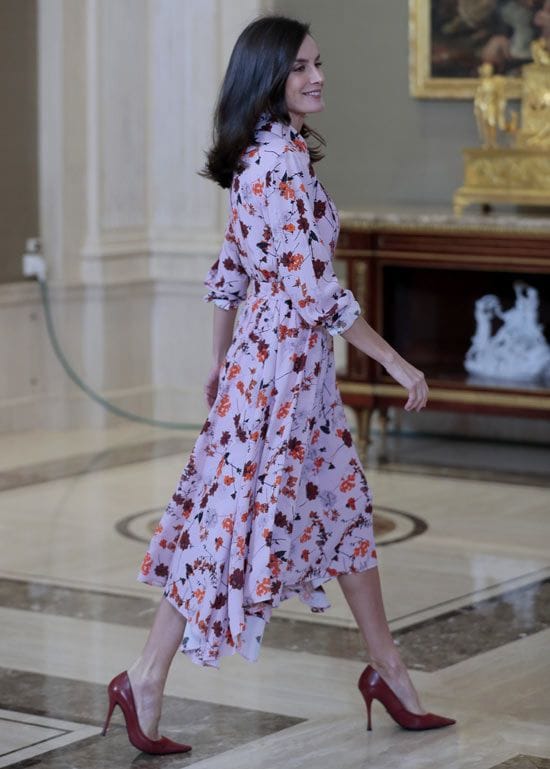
450	39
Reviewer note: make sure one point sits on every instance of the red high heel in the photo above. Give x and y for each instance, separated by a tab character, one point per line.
120	693
373	687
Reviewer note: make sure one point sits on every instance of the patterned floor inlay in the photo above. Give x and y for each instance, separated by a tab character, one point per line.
430	645
211	729
24	736
391	526
524	762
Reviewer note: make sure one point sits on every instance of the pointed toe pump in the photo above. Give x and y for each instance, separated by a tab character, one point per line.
120	693
373	687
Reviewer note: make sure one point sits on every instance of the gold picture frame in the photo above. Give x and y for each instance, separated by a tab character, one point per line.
424	84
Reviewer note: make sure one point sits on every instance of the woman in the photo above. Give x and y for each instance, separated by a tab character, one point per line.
273	501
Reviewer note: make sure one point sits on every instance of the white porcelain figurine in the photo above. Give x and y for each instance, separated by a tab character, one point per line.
518	350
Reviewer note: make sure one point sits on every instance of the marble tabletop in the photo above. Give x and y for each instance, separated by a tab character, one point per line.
437	218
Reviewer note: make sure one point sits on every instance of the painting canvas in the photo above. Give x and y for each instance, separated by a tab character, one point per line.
450	39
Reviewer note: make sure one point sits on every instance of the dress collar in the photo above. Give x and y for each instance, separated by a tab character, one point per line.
270	124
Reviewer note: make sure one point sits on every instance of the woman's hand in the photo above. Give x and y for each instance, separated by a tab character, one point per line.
211	386
412	380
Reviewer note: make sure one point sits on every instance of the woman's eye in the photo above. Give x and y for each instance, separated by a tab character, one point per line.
298	69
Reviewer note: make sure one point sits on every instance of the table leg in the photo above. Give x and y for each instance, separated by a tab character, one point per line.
363	416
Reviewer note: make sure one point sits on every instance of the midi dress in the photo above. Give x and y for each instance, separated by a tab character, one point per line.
273	500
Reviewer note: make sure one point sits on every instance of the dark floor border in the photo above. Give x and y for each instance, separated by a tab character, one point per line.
118	456
431	644
210	728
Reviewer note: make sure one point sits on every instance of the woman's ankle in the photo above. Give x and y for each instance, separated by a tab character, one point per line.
144	675
388	664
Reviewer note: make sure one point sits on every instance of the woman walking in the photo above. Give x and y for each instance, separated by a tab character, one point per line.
273	501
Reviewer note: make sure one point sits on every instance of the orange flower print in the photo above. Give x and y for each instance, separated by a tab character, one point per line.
224	405
362	548
274	565
286	191
146	564
258	188
351	503
248	470
241	545
348	483
228	480
305	555
227	524
218	542
234	369
292	261
199	594
262	588
283	411
296	449
307	534
289	227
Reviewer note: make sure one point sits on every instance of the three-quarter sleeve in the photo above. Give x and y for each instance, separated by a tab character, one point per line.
304	261
227	279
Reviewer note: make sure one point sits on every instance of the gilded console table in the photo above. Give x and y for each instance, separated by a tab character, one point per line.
417	277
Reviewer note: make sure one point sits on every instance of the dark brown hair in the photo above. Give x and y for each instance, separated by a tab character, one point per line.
254	83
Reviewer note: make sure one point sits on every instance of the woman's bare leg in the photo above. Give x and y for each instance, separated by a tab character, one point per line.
149	672
363	593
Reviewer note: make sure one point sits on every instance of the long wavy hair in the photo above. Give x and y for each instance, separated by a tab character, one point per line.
254	83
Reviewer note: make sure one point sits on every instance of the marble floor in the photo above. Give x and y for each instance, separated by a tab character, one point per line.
463	535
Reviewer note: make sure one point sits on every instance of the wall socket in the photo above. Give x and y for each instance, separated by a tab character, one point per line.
34	265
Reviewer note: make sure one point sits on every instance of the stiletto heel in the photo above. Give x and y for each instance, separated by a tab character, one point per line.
112	703
372	686
120	693
369	724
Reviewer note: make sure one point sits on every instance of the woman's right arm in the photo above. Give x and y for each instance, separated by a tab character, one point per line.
361	335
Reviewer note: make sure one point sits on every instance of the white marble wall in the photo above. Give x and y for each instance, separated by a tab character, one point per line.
126	93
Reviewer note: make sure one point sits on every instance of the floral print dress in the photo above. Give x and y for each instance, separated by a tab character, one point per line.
273	501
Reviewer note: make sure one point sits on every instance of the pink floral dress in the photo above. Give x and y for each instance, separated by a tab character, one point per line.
273	501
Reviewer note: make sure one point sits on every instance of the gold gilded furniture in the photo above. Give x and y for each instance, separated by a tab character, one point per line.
517	174
417	278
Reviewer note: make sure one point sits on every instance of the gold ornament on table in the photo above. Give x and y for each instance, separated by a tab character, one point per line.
513	163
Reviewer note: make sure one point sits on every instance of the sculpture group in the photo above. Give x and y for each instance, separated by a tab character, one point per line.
518	350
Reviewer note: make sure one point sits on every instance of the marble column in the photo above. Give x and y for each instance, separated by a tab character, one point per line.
126	94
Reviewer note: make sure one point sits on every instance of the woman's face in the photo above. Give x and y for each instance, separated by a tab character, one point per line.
304	85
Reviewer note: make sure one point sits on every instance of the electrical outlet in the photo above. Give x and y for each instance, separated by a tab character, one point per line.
34	265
